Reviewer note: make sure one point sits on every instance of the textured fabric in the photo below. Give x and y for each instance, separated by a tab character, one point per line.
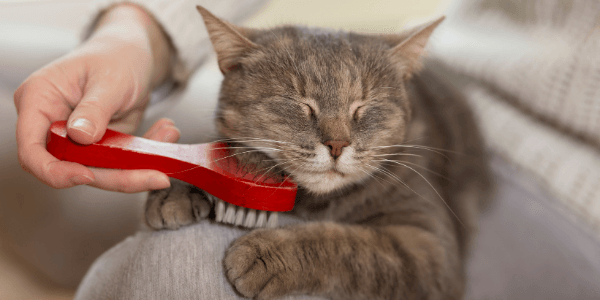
566	167
534	68
543	54
528	249
153	265
184	26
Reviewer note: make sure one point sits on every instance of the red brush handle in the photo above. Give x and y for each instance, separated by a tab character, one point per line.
210	166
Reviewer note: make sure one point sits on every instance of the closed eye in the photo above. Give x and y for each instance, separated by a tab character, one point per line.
357	110
307	109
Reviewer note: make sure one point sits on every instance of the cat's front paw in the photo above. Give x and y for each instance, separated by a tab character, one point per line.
259	264
179	205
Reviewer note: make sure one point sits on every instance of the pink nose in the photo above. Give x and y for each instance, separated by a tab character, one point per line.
336	147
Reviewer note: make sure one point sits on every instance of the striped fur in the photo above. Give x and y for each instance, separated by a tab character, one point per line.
395	229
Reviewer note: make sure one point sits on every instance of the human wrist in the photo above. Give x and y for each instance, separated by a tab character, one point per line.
133	24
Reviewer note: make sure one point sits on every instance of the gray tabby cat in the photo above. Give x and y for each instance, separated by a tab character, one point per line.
389	164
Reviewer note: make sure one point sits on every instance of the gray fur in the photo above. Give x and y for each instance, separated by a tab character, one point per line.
396	229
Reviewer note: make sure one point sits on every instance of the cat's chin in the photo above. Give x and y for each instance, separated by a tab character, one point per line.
325	182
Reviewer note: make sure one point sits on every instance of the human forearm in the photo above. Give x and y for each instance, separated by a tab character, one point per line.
132	23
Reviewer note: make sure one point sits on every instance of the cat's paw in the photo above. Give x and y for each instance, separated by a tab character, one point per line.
259	265
179	205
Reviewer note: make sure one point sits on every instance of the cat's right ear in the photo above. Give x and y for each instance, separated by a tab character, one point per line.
229	41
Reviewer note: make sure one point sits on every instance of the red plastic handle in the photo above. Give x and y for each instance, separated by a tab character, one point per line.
209	166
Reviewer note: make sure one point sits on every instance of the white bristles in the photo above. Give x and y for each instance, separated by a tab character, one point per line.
220	210
250	218
239	216
272	222
261	221
230	214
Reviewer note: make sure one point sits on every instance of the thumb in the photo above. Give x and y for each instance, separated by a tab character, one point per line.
88	121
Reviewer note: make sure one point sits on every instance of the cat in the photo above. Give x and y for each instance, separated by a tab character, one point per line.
389	162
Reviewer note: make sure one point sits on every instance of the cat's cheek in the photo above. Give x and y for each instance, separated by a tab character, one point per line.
228	122
223	130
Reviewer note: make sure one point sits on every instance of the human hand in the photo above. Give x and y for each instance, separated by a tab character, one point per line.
104	82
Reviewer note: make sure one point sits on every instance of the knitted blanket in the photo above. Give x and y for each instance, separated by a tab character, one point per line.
534	83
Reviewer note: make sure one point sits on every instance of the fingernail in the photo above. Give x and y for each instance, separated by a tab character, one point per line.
80	179
84	125
158	182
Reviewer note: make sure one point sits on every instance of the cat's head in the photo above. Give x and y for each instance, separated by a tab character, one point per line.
321	103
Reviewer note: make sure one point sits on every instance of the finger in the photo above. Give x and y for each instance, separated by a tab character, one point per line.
53	172
164	131
35	159
129	181
167	134
156	126
38	107
102	99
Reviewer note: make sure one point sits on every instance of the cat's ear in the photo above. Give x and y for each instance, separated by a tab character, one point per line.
229	41
409	52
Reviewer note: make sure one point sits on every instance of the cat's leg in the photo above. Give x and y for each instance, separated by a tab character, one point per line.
345	262
179	205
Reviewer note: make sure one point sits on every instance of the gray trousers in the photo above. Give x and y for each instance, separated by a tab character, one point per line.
179	264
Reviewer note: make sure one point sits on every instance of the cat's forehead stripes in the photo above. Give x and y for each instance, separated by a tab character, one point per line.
323	67
332	90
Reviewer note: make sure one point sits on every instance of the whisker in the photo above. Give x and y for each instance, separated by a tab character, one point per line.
436	192
254	149
247	147
249	139
267	171
430	185
290	175
419	147
415	147
235	154
372	176
413	164
395	154
393	176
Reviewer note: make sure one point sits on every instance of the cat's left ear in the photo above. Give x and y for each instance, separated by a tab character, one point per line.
408	54
229	41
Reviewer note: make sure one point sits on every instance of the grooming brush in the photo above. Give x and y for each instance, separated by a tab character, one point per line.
244	199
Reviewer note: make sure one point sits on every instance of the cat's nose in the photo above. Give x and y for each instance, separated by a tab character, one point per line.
336	147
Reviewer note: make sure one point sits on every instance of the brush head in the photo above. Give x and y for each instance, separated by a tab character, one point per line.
211	166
